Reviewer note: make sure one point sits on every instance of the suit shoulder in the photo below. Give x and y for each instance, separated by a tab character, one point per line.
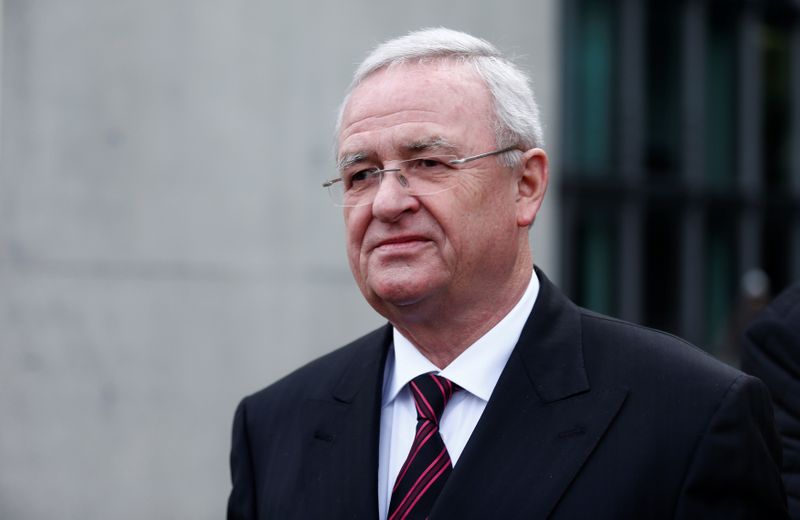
318	377
651	351
680	388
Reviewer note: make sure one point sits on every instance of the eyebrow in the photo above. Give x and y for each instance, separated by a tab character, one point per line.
428	144
350	159
435	143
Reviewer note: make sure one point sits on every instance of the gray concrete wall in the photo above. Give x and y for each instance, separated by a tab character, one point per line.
165	246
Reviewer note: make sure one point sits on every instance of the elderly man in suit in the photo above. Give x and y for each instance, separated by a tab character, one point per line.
488	394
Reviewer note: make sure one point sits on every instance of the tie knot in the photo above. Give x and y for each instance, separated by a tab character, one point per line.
431	394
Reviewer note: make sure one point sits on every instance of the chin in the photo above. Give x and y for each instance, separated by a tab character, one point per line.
396	298
398	292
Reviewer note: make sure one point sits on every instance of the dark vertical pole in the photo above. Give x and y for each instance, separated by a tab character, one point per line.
749	140
568	207
631	106
692	224
794	125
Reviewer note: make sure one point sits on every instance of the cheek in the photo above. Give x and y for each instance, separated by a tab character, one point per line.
355	223
486	226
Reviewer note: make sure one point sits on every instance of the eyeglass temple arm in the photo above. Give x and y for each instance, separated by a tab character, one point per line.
482	155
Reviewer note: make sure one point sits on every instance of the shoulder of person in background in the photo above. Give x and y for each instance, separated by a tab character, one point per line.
771	352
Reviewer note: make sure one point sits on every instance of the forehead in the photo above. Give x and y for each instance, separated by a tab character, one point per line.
417	101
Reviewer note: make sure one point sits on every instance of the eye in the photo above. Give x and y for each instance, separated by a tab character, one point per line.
434	166
428	164
359	177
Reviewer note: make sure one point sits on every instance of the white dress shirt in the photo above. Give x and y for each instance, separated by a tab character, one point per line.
476	371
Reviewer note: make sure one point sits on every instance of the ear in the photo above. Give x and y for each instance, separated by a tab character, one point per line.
531	185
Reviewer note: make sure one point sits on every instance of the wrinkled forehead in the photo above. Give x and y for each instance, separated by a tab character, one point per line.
407	97
446	64
457	77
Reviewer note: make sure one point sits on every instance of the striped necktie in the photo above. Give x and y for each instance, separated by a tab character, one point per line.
428	465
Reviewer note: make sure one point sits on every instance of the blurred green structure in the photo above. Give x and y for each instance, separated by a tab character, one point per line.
681	160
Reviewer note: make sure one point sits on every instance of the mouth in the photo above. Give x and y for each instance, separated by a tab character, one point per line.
401	243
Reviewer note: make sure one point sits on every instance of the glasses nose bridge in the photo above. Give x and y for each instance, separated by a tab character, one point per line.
400	175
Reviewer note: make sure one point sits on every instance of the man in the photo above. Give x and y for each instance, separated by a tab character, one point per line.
488	394
771	351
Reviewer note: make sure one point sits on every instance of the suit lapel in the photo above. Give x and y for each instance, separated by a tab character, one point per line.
342	435
540	425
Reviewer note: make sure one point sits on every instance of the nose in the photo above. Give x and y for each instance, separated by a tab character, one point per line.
392	199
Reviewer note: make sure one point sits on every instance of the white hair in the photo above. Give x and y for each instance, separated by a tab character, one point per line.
516	115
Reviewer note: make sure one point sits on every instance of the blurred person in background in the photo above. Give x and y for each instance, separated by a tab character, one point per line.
488	394
771	351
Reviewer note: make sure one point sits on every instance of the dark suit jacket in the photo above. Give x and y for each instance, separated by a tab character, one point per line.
771	351
591	418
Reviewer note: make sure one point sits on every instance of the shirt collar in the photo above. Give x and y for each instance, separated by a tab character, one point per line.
477	369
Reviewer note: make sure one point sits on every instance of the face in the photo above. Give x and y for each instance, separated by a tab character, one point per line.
436	252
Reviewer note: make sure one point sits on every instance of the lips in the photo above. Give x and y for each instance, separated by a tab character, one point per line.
400	241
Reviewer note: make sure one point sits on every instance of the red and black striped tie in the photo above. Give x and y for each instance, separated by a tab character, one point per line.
428	465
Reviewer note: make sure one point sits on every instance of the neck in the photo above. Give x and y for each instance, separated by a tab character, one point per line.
441	333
